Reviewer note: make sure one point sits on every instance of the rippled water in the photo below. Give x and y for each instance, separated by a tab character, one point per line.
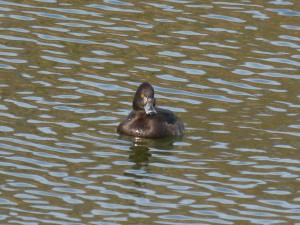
69	70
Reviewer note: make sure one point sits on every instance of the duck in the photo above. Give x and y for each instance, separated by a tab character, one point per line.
146	120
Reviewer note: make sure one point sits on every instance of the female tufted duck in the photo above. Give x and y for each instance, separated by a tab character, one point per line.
148	121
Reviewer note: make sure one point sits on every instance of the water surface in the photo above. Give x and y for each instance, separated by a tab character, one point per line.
69	71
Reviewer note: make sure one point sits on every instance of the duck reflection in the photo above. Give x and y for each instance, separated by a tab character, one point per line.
143	152
140	156
140	153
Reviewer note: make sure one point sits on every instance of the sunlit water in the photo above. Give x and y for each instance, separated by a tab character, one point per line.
69	70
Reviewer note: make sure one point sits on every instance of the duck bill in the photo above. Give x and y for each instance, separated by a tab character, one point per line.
149	107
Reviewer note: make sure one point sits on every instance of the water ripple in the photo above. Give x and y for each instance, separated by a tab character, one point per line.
68	75
225	18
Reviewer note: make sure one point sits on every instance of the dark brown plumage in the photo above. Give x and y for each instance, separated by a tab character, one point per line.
147	120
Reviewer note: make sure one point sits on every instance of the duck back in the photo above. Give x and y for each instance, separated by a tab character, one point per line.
162	124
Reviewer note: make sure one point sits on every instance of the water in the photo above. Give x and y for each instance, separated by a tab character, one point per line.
69	70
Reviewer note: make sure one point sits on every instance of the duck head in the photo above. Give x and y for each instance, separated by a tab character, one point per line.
144	99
